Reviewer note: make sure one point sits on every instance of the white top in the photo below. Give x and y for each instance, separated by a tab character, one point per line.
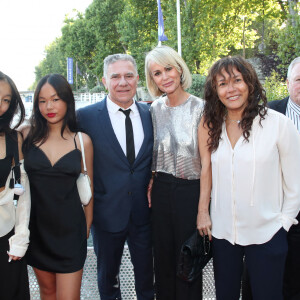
117	119
18	217
256	188
293	112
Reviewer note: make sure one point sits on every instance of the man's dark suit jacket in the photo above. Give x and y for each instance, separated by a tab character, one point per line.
279	105
120	190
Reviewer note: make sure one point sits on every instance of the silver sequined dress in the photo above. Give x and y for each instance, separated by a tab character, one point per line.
175	149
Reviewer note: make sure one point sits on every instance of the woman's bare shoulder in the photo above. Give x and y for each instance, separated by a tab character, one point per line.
24	130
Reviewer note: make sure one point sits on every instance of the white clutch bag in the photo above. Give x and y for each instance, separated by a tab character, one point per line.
83	180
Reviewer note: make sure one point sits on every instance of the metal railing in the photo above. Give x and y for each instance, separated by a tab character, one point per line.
89	288
89	97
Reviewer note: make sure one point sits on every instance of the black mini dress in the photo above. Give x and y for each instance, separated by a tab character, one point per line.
57	221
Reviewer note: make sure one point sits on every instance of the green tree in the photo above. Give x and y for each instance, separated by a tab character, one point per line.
54	62
197	87
289	37
210	30
102	18
137	26
79	42
275	88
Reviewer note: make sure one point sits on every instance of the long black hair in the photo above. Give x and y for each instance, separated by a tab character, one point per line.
39	130
16	105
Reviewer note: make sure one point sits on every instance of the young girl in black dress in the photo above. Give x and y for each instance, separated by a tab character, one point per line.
14	233
58	224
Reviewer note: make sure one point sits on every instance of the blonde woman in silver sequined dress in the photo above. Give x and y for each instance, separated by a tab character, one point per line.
174	191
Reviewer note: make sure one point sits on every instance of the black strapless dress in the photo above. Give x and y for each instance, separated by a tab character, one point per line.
57	221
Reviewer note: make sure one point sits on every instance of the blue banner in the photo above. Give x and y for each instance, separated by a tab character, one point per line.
161	34
70	69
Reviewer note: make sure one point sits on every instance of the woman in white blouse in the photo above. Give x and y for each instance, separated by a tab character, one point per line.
255	181
14	233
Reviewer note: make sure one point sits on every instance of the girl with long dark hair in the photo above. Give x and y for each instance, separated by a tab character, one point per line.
14	233
59	226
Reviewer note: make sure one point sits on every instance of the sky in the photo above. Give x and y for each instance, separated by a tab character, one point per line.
27	27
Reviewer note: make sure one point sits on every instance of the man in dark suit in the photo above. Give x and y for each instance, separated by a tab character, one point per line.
289	106
121	131
293	85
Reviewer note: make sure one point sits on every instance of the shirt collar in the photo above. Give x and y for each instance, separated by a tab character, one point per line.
293	106
114	108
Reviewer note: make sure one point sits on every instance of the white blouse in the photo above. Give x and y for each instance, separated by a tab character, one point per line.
256	187
18	217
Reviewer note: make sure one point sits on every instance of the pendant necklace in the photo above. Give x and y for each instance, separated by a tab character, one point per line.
236	121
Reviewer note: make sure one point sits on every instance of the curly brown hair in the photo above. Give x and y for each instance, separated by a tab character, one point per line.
215	111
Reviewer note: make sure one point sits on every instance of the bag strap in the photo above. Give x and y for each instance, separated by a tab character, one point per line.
16	168
82	152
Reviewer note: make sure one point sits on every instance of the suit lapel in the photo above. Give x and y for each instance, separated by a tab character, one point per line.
284	105
108	131
147	131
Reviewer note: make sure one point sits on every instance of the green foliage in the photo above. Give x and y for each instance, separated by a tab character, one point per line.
289	43
209	30
83	89
137	26
197	88
275	88
54	62
79	43
98	89
103	17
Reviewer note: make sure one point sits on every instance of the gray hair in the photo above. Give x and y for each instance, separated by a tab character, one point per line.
292	65
110	59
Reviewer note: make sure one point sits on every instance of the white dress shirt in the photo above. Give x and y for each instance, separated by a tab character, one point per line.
256	188
18	217
293	112
117	119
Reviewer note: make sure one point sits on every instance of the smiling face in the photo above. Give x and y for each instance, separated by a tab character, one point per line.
167	78
5	97
232	90
51	107
293	84
121	82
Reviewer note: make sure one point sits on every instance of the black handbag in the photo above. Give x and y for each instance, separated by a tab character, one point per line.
194	255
